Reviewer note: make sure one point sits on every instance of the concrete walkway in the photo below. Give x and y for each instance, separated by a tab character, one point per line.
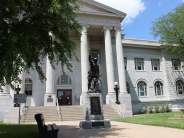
70	129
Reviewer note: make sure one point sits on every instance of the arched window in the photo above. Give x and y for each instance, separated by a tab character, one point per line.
64	80
98	85
28	86
179	87
159	88
128	87
142	88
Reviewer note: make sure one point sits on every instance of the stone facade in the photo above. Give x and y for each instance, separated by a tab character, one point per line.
103	27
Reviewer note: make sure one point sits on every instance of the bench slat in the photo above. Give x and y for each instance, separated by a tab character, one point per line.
49	127
55	127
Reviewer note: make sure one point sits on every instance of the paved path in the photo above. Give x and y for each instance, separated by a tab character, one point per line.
70	129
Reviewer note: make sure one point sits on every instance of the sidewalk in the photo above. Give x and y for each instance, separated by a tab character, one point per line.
70	129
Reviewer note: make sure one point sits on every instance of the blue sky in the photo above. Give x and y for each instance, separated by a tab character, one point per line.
140	14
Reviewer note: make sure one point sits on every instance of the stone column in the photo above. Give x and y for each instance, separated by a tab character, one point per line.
120	61
6	91
109	59
50	97
22	85
84	58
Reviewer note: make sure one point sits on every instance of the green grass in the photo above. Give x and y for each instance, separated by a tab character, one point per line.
159	119
11	130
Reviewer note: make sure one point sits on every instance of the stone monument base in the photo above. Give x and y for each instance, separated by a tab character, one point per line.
92	124
50	99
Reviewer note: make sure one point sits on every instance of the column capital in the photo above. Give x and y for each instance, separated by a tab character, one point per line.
85	25
118	28
107	27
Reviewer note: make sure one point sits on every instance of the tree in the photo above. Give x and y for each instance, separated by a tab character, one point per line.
170	29
25	39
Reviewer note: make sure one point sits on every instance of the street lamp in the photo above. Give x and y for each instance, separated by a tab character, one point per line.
116	89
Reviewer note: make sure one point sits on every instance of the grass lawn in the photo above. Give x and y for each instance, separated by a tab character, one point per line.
12	131
159	119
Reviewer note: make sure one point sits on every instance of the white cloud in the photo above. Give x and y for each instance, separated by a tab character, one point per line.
131	7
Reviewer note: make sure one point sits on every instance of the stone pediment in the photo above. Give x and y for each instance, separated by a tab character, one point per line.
93	7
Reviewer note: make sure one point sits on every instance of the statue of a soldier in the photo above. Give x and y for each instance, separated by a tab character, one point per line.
93	73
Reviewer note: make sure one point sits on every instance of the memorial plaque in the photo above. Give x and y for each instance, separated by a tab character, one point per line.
95	106
49	100
96	124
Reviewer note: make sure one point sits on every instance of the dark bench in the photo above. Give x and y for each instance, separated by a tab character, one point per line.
46	131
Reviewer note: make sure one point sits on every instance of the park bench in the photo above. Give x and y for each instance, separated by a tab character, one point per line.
45	131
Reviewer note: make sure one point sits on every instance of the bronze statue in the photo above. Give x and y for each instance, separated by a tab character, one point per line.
93	73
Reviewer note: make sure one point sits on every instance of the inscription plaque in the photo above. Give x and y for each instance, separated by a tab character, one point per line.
49	100
95	106
96	124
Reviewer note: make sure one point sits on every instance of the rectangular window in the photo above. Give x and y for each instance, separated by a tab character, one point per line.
125	62
176	64
155	64
139	64
28	89
95	54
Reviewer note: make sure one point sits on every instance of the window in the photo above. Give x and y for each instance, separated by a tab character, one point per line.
64	80
155	64
139	64
142	88
28	86
128	87
98	85
176	64
125	62
179	87
69	58
159	88
95	54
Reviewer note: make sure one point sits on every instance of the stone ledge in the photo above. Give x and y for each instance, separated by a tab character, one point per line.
93	124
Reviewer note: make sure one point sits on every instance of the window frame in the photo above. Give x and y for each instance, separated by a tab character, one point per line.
139	90
136	62
69	80
179	64
94	51
125	62
161	88
158	64
181	82
26	83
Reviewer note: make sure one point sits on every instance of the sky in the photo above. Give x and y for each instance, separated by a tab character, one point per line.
140	14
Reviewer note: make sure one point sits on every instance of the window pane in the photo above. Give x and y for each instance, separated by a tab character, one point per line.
28	81
28	92
28	86
64	79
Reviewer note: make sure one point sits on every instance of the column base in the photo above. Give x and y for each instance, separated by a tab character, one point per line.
125	103
50	99
5	95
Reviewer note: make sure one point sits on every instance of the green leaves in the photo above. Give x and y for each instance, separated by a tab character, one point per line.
24	35
170	29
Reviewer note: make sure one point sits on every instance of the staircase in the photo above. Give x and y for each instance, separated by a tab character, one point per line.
68	113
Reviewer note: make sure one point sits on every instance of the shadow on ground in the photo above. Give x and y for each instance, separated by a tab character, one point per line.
68	131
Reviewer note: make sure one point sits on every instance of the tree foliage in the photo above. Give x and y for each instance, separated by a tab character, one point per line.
25	39
170	29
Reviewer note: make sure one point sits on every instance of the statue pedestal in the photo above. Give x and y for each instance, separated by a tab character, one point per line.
50	99
93	110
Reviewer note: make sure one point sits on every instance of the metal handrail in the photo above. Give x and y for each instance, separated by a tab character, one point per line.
58	110
116	107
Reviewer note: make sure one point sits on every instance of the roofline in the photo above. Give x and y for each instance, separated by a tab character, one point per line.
100	5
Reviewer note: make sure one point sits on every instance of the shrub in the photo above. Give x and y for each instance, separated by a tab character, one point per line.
145	109
167	109
150	109
162	110
156	106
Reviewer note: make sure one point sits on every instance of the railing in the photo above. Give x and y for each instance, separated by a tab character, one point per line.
59	112
116	107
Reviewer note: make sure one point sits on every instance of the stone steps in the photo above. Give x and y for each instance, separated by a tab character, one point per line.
68	113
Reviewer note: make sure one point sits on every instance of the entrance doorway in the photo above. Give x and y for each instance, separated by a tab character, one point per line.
64	97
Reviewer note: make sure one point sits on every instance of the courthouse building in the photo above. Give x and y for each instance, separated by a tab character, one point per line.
144	72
